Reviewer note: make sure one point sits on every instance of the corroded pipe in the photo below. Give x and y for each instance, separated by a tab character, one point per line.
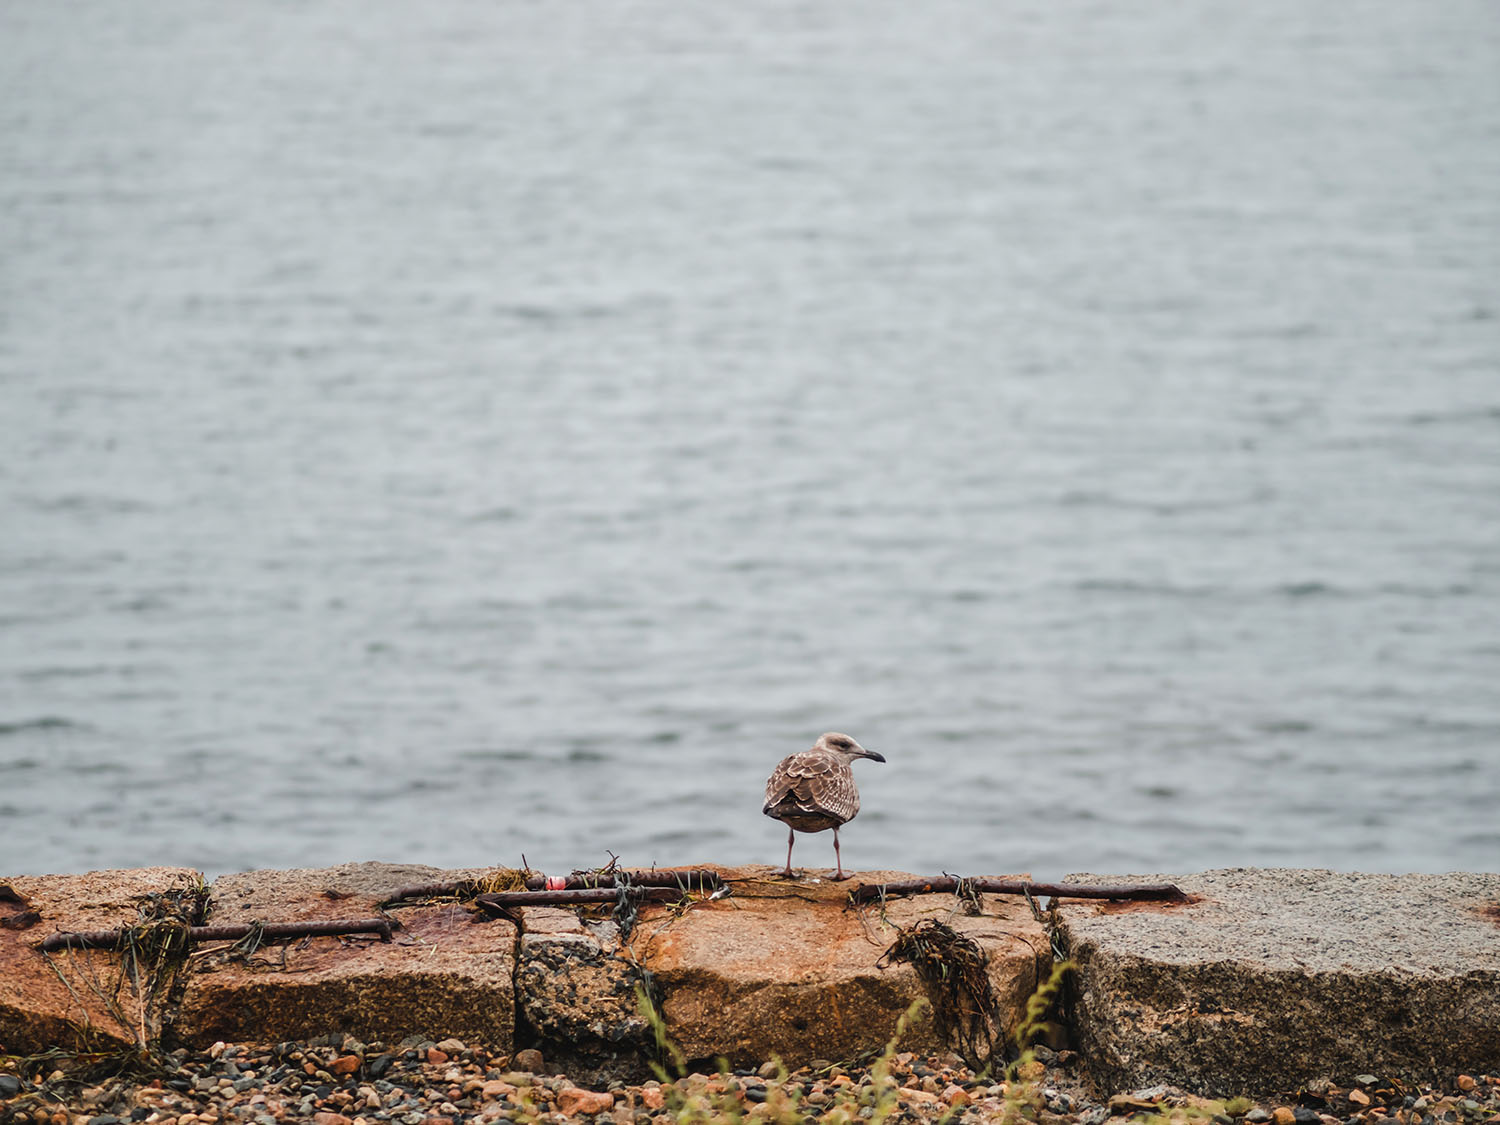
271	931
578	897
695	879
869	892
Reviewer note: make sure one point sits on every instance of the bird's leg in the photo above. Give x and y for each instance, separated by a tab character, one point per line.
791	836
838	859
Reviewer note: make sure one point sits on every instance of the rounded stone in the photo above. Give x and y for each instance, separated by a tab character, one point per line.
528	1060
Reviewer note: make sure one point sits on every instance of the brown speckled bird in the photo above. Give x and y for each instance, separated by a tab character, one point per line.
814	790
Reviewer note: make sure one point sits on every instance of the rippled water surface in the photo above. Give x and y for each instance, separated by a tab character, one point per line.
441	432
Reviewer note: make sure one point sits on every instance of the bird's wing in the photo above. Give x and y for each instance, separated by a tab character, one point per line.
815	783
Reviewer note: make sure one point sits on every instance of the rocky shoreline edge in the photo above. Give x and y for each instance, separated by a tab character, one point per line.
1340	995
339	1081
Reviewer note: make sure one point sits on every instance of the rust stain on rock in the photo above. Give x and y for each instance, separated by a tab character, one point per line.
85	997
1147	906
785	967
442	975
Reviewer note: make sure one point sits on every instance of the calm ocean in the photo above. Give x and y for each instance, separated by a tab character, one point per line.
441	432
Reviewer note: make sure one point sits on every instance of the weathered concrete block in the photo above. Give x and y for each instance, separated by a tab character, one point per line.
783	968
577	992
87	998
1279	977
442	975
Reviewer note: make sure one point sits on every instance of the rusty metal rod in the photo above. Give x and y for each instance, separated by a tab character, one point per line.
271	931
869	892
693	879
435	890
581	897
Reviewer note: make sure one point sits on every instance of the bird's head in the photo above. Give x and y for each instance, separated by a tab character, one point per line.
843	744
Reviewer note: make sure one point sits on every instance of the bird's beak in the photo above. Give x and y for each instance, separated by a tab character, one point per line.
863	753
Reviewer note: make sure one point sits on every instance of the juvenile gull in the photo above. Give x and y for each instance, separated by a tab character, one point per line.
815	789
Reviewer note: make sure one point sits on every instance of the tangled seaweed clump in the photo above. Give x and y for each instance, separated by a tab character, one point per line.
955	968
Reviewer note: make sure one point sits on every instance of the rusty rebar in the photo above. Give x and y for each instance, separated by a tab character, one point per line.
869	892
461	887
269	931
692	879
583	896
695	879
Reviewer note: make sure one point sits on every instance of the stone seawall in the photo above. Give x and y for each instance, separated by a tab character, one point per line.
1263	980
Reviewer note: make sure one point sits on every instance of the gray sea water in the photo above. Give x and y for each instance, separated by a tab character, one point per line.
445	432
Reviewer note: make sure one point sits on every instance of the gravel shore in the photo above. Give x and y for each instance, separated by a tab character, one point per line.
341	1082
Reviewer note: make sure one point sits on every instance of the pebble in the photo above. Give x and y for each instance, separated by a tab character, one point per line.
1143	1101
529	1060
345	1064
572	1101
336	1081
377	1066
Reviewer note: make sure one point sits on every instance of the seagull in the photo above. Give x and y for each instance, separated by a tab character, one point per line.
814	790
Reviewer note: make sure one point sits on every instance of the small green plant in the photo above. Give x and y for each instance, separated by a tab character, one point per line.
665	1048
1023	1090
696	1099
886	1090
692	1099
1196	1112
